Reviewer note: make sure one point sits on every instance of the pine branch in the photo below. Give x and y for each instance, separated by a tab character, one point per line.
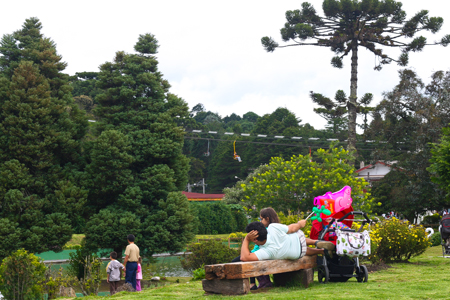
303	44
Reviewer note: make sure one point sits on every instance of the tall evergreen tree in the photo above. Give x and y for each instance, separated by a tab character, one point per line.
349	25
137	166
40	150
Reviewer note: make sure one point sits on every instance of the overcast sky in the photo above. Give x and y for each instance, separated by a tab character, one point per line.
210	51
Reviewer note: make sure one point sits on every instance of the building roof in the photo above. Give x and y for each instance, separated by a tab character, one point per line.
203	197
376	171
371	166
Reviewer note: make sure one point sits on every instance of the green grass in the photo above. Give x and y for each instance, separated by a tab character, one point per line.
75	241
424	277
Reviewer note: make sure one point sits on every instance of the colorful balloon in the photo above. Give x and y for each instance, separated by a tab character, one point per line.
337	201
318	211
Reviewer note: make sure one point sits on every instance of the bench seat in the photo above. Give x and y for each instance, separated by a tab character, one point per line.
233	278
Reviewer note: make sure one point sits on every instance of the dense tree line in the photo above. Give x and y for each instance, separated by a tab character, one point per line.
405	124
212	154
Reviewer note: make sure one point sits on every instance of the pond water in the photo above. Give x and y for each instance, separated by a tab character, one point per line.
167	266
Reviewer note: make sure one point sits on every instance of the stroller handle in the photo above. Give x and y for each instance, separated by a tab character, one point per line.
360	213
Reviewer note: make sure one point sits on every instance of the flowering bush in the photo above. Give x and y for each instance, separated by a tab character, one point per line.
293	184
395	240
236	235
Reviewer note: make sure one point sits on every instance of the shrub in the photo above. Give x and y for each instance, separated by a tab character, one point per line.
90	282
84	267
20	276
395	240
239	215
199	273
235	235
218	218
77	262
435	239
433	219
53	281
207	253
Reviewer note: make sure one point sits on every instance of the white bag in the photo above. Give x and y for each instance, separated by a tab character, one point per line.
352	244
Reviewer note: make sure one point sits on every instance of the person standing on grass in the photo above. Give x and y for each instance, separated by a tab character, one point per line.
139	275
113	273
131	261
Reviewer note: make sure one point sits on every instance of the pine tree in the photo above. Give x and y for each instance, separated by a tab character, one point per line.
40	132
349	25
136	103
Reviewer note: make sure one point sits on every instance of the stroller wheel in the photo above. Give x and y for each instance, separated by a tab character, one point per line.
323	275
362	275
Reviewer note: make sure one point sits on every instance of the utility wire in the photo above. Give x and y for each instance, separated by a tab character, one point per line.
280	137
275	144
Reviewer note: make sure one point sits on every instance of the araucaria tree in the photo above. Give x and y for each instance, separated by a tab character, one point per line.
350	24
136	166
40	150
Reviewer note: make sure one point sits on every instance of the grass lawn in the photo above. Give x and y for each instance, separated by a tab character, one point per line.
425	277
76	240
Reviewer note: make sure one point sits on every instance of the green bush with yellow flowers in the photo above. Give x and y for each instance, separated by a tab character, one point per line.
293	184
394	240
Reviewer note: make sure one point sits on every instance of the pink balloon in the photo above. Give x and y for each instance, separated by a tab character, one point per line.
336	201
343	200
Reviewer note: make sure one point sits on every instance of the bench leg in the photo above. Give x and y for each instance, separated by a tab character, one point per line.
227	286
304	277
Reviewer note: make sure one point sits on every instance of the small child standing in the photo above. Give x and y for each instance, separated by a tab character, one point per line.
139	275
113	271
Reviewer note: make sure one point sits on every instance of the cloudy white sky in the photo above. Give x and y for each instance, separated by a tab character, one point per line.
210	51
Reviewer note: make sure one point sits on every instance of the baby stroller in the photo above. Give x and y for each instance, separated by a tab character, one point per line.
444	230
339	268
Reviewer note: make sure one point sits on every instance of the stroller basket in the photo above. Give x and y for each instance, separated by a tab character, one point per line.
340	268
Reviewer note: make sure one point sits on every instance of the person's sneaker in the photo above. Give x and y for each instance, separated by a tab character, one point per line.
254	287
325	245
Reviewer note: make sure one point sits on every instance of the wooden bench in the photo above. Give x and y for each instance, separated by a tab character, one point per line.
233	278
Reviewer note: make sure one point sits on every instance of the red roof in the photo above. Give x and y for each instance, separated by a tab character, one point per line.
372	165
203	197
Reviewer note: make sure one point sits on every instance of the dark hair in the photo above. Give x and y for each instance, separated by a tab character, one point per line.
258	226
270	213
130	237
113	255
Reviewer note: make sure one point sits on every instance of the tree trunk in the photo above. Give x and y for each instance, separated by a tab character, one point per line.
351	104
